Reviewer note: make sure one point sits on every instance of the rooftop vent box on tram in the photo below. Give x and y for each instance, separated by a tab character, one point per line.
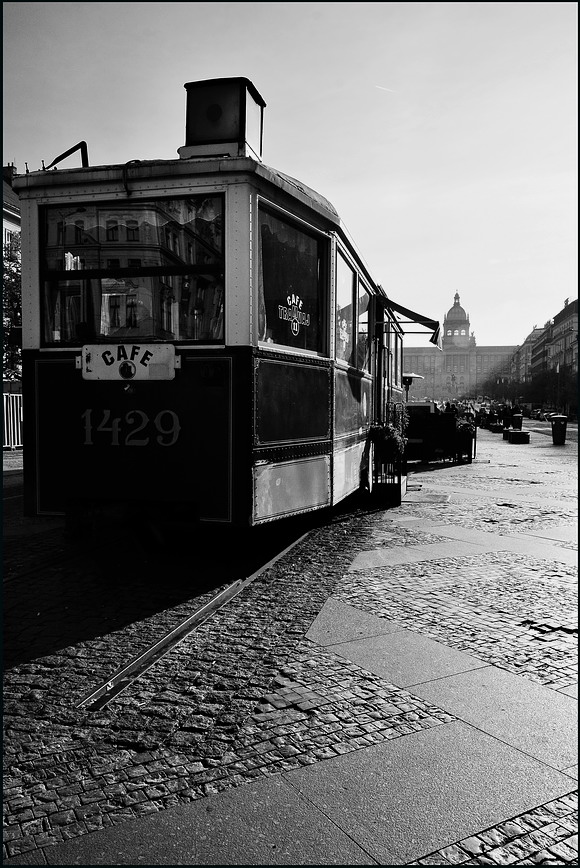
223	116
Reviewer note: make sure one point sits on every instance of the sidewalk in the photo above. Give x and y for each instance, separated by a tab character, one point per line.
12	460
427	715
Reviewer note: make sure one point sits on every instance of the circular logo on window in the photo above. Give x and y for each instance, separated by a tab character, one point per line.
294	313
127	370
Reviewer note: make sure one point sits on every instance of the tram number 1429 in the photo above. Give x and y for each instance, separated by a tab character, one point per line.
130	429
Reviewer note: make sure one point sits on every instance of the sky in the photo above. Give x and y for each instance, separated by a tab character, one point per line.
445	134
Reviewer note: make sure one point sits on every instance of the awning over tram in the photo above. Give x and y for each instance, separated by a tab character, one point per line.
430	324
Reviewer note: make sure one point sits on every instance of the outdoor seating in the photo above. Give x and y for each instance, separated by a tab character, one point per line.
439	437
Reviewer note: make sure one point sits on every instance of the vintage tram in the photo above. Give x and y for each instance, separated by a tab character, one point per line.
200	336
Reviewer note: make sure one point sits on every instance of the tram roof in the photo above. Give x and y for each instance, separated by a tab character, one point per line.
158	169
31	184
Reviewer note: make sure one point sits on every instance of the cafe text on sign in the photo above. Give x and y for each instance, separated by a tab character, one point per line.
130	361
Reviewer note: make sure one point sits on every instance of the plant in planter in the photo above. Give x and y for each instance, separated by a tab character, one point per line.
389	442
465	427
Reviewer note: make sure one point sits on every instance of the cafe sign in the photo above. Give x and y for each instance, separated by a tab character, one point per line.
129	361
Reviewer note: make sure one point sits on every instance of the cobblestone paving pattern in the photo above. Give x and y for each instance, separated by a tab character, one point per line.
327	698
35	553
547	483
500	607
178	733
500	516
547	835
392	535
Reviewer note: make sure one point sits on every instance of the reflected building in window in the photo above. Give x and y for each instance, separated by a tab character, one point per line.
107	264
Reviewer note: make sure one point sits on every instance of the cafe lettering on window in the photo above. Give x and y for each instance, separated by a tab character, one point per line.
294	313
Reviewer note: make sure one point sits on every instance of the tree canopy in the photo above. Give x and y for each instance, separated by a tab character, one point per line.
12	312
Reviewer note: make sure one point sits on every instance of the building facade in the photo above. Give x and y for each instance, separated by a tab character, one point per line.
462	368
555	346
10	206
521	366
563	349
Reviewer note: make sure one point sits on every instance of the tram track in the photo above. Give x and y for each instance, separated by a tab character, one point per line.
126	675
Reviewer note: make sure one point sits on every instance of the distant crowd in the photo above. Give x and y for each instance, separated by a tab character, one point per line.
482	415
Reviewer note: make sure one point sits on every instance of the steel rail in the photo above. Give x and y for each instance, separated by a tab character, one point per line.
124	677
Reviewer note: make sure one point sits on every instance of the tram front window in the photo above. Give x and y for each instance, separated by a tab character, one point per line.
158	276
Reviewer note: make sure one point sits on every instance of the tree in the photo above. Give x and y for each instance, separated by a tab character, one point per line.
556	389
12	312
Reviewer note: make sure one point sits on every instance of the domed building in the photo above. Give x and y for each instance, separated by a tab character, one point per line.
462	368
456	326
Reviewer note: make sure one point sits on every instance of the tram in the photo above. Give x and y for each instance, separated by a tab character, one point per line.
200	336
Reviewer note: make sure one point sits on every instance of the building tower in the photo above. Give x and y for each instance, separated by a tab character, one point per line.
455	327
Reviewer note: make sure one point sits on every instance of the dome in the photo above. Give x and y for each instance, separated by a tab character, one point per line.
456	312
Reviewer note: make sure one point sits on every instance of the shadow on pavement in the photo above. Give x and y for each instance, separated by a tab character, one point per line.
61	592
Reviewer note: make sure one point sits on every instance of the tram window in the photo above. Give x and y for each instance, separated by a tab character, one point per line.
290	284
398	361
144	307
363	355
147	291
345	283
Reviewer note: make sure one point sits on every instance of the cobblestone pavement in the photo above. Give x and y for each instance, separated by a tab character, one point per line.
497	515
248	696
507	609
196	723
547	835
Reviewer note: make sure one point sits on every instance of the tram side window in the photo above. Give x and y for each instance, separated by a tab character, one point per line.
345	307
151	270
291	285
398	360
363	354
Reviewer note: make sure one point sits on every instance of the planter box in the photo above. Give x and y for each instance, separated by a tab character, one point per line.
390	493
464	449
519	437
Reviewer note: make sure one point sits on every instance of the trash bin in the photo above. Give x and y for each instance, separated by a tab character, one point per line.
558	429
517	421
